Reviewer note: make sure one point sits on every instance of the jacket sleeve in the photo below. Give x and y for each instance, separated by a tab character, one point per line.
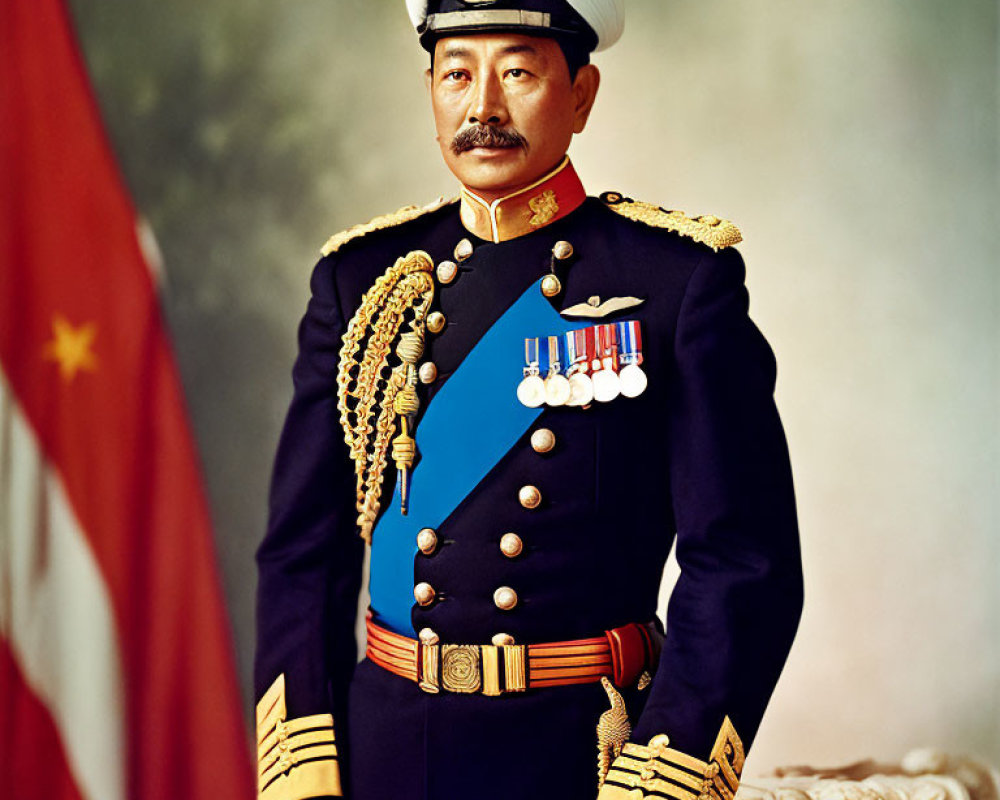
736	605
309	567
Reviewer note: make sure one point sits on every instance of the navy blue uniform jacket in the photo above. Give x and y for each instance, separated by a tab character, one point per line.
699	456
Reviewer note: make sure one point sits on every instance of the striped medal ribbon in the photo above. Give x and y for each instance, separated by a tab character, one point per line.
557	390
581	388
607	385
531	389
633	379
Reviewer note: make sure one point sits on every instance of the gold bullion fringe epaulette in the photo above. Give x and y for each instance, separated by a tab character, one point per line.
372	399
658	771
296	759
707	229
405	214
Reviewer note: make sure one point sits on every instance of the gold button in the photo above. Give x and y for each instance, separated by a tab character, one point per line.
424	594
505	598
501	639
427	540
710	220
543	440
529	496
446	271
435	322
659	742
428	372
428	637
511	545
463	250
551	286
562	250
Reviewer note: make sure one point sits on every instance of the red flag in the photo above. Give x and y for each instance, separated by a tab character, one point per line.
116	674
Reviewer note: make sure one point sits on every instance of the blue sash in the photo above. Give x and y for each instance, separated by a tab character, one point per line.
472	423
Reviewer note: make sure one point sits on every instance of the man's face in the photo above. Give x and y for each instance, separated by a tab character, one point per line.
505	108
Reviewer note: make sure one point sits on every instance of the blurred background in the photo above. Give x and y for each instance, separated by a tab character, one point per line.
854	142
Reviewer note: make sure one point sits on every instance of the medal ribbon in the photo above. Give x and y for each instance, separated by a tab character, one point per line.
590	342
608	344
629	343
555	362
531	356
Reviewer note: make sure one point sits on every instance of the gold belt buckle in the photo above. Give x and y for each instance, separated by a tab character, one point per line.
460	668
472	668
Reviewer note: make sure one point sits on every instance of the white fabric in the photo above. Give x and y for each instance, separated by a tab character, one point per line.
606	17
55	610
417	9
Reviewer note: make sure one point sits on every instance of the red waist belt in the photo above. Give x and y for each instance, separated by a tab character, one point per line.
621	654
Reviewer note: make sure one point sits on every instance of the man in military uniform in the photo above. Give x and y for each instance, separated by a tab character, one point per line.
520	398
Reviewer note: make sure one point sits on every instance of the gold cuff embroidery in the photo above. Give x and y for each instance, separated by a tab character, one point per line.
725	764
312	779
661	771
296	759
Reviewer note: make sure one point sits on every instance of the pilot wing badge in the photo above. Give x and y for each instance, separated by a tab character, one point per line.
595	308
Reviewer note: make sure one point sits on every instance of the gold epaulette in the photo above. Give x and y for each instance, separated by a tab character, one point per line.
658	770
405	214
707	229
296	759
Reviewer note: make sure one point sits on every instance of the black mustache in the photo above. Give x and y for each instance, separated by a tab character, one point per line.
486	136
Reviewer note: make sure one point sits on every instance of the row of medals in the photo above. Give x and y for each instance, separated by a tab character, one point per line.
587	377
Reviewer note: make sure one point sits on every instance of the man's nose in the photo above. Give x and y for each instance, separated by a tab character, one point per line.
488	106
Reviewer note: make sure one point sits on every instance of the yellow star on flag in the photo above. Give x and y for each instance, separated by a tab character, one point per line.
71	347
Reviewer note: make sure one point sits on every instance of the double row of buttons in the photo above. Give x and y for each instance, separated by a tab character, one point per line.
511	545
543	440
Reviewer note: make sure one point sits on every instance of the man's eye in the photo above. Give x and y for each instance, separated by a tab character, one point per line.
454	75
517	73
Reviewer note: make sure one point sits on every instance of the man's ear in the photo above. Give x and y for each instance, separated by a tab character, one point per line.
585	85
428	77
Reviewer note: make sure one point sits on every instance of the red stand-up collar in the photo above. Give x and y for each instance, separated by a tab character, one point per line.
550	198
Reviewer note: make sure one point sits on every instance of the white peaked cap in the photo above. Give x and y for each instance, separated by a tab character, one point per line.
417	9
606	17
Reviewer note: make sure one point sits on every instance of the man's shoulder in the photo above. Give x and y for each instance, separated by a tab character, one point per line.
705	229
397	220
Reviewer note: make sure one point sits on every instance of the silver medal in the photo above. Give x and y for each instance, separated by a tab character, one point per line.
607	385
531	391
633	380
581	389
556	384
557	390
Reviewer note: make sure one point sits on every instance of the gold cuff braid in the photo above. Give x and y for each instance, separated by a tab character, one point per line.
658	771
296	759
